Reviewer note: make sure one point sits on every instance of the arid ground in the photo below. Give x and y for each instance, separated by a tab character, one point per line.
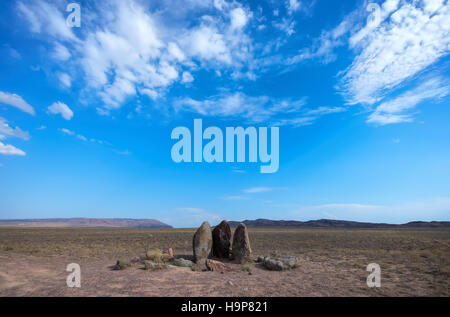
332	263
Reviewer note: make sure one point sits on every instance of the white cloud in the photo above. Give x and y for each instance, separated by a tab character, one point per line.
46	18
16	101
14	53
62	109
239	18
65	79
256	109
6	130
7	149
193	217
235	104
285	25
235	198
325	110
67	131
295	122
175	52
187	77
397	109
255	190
427	210
60	52
116	63
293	5
150	93
323	47
410	38
81	137
191	209
207	43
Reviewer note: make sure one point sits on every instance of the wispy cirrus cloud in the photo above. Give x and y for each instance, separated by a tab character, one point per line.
399	109
426	210
7	131
255	190
294	112
410	37
193	217
16	101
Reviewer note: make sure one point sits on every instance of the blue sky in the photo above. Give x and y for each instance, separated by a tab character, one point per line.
361	98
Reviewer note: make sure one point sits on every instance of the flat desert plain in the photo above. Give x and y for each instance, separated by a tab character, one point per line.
414	262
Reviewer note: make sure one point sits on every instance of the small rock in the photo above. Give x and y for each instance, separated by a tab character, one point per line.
183	263
217	266
260	259
200	266
273	264
121	265
149	265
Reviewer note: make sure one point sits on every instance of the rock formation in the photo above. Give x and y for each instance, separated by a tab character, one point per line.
241	250
202	244
221	236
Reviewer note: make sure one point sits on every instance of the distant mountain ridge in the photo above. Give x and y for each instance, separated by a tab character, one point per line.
85	223
328	223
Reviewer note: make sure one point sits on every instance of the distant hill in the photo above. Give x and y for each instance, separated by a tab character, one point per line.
85	223
327	223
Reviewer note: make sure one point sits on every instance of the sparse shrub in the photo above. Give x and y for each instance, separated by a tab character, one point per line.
154	255
247	268
274	254
121	265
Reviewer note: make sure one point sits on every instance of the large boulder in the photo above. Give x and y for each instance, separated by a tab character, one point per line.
221	236
241	250
202	244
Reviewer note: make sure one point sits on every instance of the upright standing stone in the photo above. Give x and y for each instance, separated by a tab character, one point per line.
202	244
241	251
221	236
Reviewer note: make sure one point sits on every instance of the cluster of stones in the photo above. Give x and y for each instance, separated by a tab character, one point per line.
217	243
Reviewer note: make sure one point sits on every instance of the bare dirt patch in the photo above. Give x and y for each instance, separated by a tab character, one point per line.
332	263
